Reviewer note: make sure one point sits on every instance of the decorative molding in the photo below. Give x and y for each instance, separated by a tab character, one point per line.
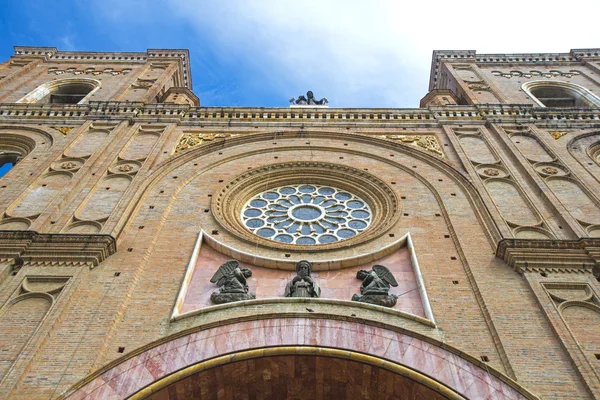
538	255
65	130
427	142
557	134
168	112
228	200
141	83
573	58
536	73
34	248
88	71
193	139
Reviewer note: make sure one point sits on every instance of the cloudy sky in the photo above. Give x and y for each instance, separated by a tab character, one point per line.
262	53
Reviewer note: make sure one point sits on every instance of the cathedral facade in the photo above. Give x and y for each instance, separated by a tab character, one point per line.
153	248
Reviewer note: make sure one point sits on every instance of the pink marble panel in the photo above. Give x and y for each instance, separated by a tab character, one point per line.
447	368
338	284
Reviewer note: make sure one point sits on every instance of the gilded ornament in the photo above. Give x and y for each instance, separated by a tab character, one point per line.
557	134
65	130
427	142
189	140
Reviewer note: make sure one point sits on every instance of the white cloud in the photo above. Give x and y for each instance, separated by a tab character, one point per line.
67	42
377	53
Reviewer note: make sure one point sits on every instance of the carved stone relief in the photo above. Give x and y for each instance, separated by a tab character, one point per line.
232	282
375	287
125	167
143	83
302	285
427	142
88	71
192	139
534	73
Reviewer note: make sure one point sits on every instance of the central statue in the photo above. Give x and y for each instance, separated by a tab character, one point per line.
309	100
302	285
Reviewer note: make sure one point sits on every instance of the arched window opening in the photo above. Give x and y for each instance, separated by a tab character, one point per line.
63	91
68	94
553	96
7	161
560	94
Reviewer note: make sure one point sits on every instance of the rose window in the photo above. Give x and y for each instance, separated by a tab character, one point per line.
306	214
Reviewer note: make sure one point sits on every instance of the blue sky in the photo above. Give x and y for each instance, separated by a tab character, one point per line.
262	53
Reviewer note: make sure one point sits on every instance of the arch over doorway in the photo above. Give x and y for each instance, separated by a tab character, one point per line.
422	361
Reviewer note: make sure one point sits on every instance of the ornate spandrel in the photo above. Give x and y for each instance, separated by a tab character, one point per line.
302	285
193	139
426	142
308	101
376	286
232	282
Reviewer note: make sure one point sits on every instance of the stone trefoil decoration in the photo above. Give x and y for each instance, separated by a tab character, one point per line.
376	286
309	100
302	285
232	282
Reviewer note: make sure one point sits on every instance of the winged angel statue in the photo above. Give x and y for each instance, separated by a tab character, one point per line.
376	286
232	282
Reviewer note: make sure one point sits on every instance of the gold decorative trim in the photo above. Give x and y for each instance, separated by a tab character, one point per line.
557	134
193	139
298	351
427	142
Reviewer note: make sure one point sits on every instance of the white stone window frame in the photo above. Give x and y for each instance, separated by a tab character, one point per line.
47	88
591	99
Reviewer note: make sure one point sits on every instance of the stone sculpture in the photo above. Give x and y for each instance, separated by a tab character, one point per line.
232	283
376	286
302	285
309	100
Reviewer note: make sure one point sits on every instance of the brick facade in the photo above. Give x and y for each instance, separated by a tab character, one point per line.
121	207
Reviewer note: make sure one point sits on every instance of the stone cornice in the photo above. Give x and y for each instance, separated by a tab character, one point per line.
534	255
470	56
33	248
52	53
185	114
